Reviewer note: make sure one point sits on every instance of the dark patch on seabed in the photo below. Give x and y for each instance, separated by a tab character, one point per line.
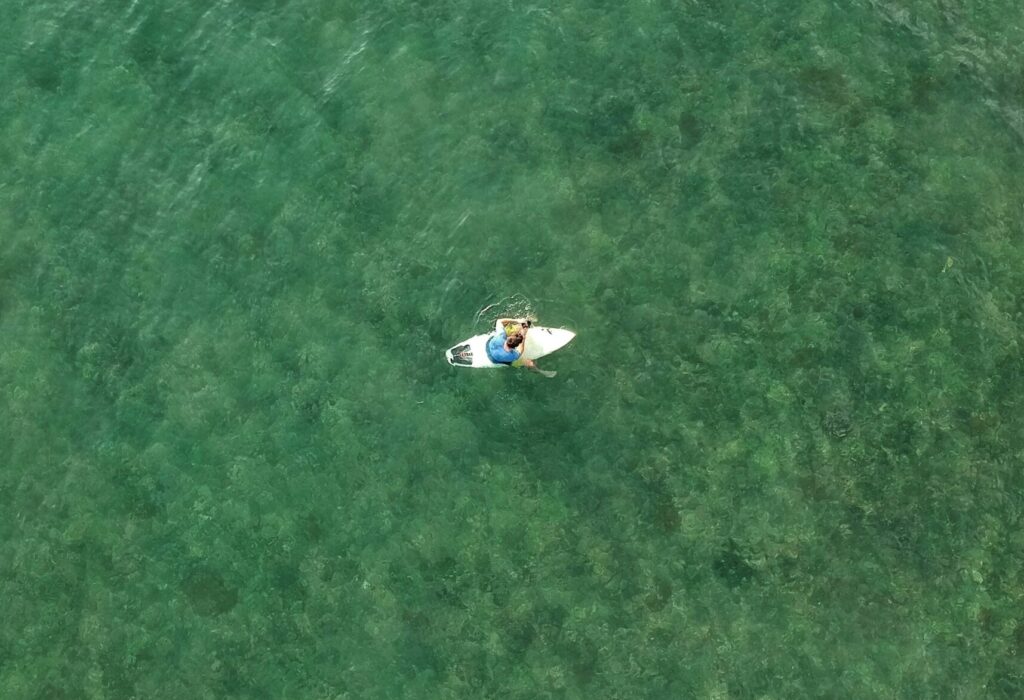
732	567
208	593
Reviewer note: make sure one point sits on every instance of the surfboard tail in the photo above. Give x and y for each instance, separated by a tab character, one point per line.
460	355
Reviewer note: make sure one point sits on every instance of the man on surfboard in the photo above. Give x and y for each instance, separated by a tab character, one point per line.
506	345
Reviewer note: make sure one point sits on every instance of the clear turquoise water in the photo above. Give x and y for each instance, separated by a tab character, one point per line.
782	459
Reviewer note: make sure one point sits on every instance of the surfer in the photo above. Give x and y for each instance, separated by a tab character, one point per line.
506	348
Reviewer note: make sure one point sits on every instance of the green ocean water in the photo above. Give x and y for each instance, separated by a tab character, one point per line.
782	459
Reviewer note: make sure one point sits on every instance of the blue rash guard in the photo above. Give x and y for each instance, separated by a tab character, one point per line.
496	349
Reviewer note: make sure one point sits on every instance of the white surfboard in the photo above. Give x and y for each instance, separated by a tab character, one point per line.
540	341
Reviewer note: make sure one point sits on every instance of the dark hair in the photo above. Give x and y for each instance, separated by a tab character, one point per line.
515	339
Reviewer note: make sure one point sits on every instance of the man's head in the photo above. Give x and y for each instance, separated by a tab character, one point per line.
515	339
